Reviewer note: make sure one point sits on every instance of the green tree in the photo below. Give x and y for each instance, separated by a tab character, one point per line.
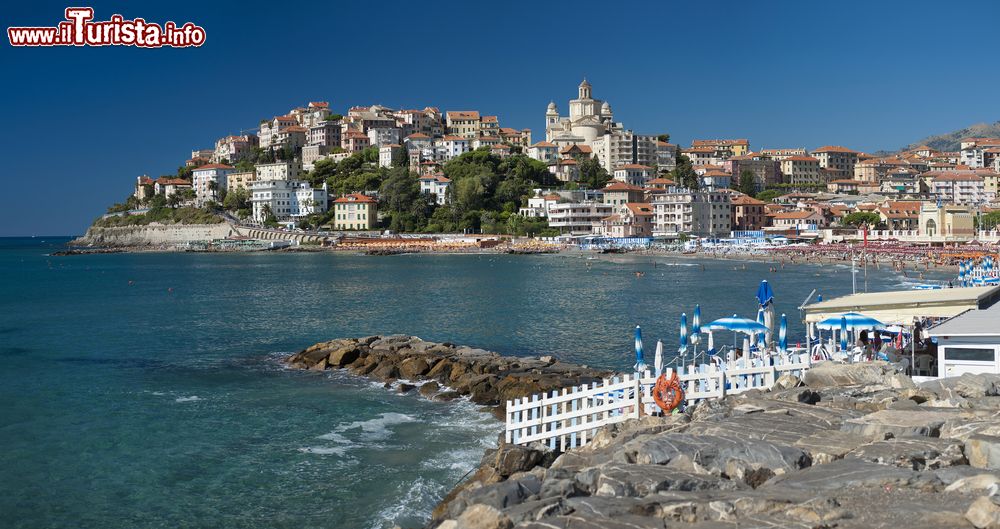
859	218
747	183
684	173
592	174
665	138
990	220
238	199
768	195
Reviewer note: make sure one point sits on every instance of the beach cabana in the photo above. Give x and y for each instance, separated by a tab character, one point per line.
969	343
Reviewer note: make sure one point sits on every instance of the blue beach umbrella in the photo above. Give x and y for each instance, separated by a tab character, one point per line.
843	333
736	324
783	335
684	335
696	325
640	365
764	294
854	321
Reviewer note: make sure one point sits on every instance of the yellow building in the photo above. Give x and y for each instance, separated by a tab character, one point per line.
240	180
355	212
946	223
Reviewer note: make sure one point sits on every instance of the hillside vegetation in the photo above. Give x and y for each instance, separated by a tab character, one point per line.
951	141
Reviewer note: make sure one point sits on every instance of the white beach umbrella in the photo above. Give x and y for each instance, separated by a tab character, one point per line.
658	358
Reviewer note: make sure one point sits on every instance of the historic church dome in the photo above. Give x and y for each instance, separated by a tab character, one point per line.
606	109
551	108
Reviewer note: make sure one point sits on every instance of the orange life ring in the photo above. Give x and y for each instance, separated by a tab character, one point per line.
667	392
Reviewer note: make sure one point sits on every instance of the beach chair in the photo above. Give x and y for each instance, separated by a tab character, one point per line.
924	365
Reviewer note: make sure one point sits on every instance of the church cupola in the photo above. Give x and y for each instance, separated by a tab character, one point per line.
585	92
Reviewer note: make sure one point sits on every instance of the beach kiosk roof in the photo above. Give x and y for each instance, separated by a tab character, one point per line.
903	306
984	322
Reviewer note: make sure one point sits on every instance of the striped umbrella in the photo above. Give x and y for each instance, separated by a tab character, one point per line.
640	366
684	335
696	325
783	335
843	333
736	324
854	321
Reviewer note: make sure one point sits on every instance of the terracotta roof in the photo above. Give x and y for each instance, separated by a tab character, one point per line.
794	214
640	209
213	166
417	136
835	148
553	196
621	186
165	181
356	198
319	104
957	176
638	167
544	144
454	138
697	143
661	181
463	114
845	181
745	200
581	148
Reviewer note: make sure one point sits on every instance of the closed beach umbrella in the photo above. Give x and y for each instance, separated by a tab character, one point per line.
640	365
682	349
843	333
783	335
658	358
762	337
765	298
696	325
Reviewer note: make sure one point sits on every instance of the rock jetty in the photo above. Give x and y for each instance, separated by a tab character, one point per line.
446	370
848	446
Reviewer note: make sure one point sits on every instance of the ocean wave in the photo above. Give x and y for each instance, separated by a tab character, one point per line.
416	499
192	398
374	429
324	450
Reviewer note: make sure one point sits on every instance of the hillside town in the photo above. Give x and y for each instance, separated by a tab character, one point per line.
589	179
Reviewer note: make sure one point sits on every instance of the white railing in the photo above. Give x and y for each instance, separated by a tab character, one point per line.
569	418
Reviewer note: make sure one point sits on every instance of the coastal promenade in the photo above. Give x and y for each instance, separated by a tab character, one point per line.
844	445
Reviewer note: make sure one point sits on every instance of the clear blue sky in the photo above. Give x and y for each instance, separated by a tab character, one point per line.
81	123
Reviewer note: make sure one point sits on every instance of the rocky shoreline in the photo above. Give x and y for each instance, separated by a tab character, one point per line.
848	446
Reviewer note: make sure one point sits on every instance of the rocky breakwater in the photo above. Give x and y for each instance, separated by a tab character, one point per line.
848	446
445	371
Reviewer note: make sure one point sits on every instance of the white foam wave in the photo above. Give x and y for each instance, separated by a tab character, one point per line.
376	428
192	398
324	450
415	499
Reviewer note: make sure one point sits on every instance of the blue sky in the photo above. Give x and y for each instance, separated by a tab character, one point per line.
81	123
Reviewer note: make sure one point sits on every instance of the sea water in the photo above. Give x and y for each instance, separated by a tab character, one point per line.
147	390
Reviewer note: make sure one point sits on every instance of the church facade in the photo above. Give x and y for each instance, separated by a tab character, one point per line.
591	123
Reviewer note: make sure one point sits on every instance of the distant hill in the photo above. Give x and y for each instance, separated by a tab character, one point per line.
951	140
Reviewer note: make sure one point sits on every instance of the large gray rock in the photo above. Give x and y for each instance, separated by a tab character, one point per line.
829	445
711	453
967	386
917	453
842	474
899	423
625	480
983	451
826	374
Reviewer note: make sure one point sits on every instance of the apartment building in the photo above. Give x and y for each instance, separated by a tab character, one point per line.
286	199
702	213
837	158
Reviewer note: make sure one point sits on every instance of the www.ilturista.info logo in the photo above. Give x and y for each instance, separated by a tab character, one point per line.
79	30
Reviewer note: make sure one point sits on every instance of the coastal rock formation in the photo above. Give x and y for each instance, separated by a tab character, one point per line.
153	235
849	446
445	370
879	452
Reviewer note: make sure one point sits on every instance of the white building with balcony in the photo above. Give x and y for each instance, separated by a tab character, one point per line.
286	199
278	171
705	213
437	186
578	218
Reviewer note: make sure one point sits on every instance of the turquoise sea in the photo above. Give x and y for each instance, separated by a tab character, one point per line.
145	390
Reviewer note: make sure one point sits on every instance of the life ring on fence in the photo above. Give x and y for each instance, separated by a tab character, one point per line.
667	392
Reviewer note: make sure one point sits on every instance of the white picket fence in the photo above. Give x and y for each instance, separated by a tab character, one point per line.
569	418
